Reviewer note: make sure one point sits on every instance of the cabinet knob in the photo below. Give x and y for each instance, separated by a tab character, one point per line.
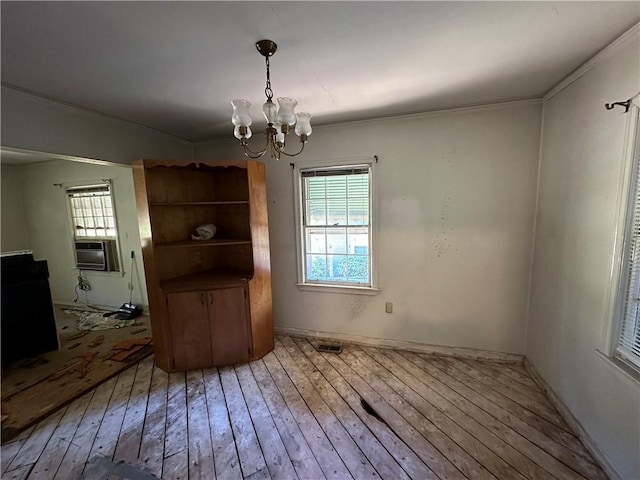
211	298
202	300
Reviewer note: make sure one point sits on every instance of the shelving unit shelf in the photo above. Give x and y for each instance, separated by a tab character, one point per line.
209	300
195	204
204	243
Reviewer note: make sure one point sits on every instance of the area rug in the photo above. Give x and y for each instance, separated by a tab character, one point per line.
88	320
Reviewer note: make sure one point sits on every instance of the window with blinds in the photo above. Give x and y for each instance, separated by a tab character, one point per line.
628	345
92	213
336	225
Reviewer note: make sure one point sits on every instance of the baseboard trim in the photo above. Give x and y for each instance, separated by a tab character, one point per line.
573	422
403	345
81	305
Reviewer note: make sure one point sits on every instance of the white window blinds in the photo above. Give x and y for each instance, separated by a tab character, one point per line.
92	211
628	347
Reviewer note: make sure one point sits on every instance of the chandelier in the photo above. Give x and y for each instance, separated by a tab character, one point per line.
280	119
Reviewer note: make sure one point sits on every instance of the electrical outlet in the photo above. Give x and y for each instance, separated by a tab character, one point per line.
388	307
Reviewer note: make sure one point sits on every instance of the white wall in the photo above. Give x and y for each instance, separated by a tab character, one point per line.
13	227
50	233
32	123
456	205
39	125
580	181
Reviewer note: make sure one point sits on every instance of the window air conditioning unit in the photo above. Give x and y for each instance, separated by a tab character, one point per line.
97	255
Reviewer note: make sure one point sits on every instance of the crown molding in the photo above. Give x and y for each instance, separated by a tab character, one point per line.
437	112
592	62
89	112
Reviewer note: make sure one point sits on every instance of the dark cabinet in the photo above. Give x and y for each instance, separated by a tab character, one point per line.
28	320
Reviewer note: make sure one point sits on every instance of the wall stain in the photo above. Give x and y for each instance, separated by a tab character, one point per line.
442	244
357	305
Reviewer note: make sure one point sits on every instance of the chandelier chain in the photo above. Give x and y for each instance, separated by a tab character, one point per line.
267	91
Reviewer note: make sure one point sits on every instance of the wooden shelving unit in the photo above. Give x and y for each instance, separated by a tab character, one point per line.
209	300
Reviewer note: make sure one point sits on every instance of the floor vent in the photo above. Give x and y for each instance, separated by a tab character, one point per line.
327	348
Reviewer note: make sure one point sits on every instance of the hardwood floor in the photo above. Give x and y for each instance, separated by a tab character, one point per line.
364	413
32	388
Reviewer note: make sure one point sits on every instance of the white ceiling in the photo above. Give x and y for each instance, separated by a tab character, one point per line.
174	66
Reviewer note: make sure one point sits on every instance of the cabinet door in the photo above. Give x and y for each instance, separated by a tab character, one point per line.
189	327
229	320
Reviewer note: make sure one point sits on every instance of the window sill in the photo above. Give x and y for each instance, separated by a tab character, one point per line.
323	287
620	366
100	273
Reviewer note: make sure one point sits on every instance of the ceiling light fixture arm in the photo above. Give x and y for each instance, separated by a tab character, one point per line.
303	142
275	148
251	154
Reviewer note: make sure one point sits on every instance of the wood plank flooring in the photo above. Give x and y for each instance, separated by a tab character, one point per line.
364	413
33	388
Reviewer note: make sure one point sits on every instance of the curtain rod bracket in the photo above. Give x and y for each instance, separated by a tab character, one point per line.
626	105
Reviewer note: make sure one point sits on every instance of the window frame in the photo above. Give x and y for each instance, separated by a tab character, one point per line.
302	283
629	212
69	187
615	296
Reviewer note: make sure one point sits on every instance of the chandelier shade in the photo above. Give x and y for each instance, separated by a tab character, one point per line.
241	116
280	118
303	124
286	112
